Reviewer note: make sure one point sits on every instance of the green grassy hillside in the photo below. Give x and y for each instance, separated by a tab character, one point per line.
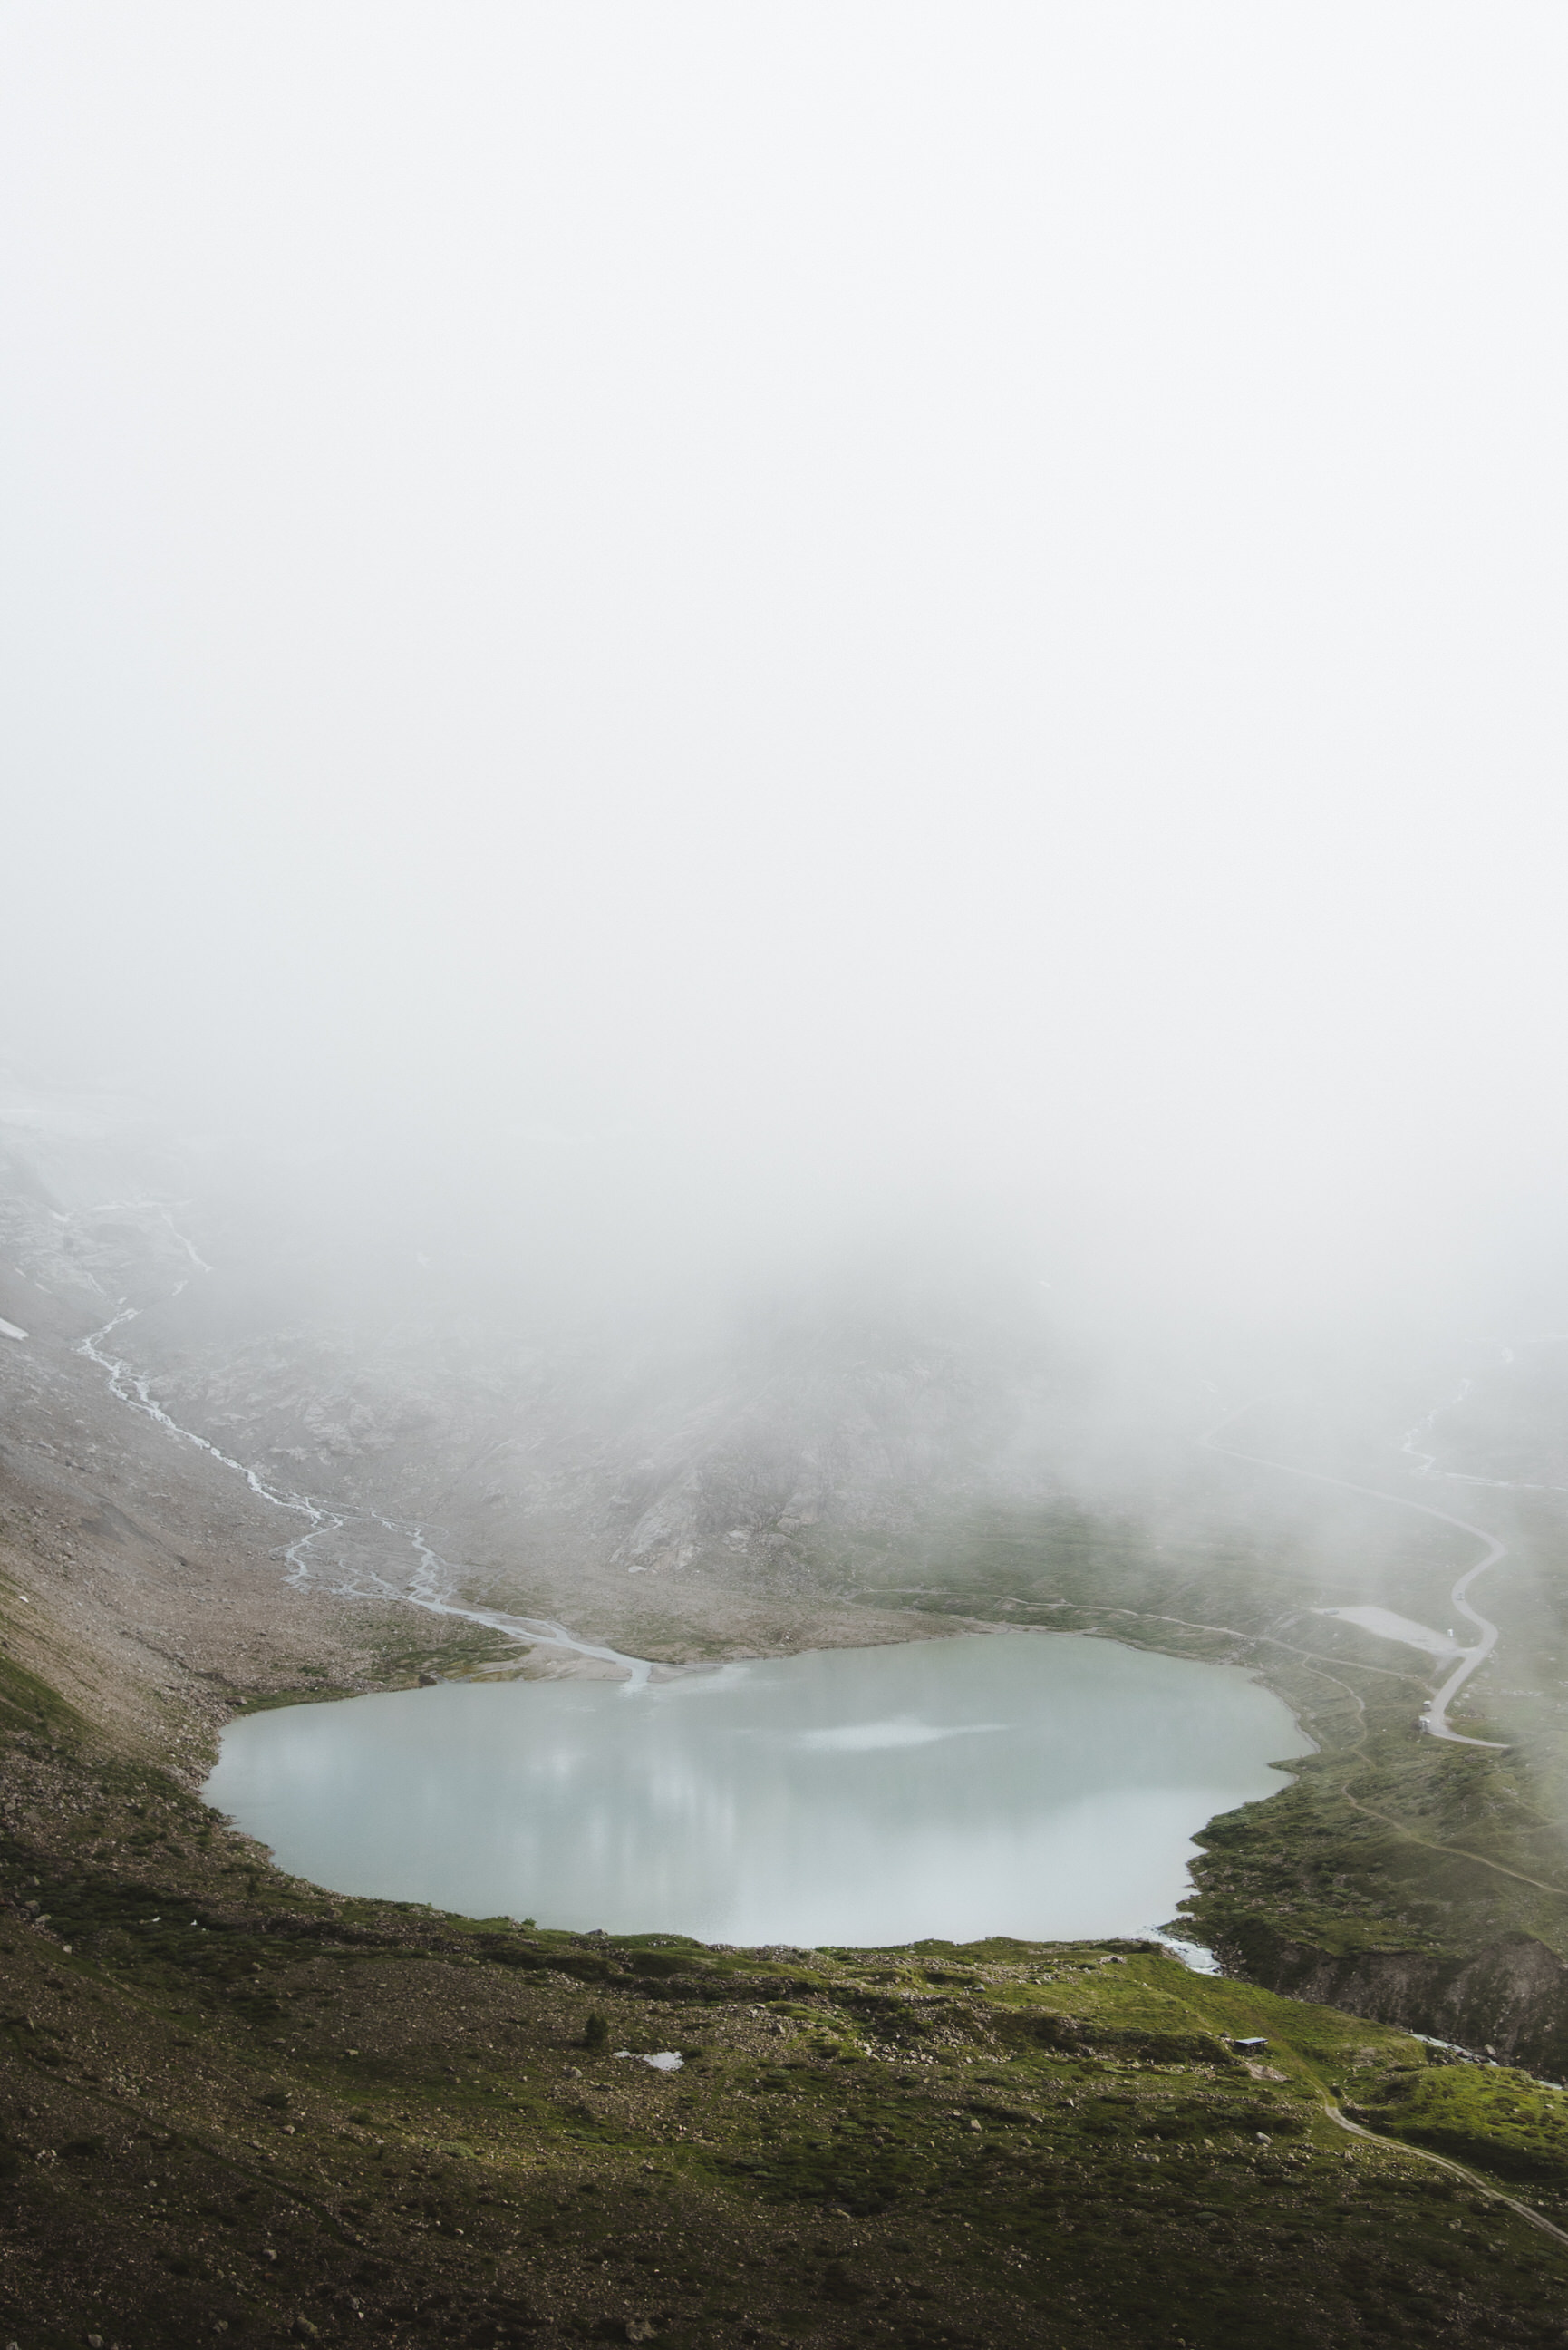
236	2107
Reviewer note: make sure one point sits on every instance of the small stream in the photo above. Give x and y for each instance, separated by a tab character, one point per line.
431	1582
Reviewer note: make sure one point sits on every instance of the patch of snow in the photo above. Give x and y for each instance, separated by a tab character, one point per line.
1386	1625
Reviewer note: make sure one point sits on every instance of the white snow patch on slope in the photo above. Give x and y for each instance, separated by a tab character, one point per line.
1389	1627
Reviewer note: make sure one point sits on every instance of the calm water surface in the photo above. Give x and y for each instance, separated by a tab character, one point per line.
1002	1783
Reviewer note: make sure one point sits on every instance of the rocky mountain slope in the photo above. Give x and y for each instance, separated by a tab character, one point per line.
242	1483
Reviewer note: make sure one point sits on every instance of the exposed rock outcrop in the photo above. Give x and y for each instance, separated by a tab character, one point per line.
1508	2000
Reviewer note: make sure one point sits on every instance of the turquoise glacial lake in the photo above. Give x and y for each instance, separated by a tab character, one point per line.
1044	1786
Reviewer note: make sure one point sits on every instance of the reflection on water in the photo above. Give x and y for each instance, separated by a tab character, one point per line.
1005	1784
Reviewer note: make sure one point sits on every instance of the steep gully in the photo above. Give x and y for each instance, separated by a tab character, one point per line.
430	1585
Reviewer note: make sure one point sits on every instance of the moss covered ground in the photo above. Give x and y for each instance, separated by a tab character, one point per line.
236	2107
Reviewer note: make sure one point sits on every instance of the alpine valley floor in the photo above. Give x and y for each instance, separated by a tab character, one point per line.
235	2106
238	2108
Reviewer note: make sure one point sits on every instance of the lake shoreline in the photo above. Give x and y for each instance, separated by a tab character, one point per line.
997	1783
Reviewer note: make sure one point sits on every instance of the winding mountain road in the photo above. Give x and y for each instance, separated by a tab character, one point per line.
1435	1713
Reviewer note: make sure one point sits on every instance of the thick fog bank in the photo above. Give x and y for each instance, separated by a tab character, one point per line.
1026	1354
661	662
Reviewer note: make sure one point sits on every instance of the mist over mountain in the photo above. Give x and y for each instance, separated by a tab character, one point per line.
802	1427
743	1432
784	851
643	652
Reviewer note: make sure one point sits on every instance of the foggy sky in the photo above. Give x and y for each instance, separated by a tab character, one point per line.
790	612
